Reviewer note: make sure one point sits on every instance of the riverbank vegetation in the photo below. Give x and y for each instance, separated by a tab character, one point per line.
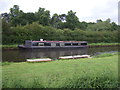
97	72
100	44
9	46
19	26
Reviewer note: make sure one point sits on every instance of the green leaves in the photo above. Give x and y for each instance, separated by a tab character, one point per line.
43	16
18	26
35	31
71	20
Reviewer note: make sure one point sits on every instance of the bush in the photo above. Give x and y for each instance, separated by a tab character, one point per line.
35	31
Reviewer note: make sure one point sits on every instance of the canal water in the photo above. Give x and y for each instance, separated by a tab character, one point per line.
21	55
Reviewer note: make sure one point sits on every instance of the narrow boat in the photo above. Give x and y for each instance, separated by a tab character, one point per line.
39	60
29	44
75	57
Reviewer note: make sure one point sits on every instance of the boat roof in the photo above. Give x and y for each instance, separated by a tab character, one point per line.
60	41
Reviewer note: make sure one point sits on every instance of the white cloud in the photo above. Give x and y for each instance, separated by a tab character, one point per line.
86	10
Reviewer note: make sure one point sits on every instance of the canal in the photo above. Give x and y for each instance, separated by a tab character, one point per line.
21	55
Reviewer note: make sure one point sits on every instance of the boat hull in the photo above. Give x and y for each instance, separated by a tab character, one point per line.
50	47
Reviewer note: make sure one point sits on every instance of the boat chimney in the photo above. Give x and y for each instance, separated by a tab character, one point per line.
41	39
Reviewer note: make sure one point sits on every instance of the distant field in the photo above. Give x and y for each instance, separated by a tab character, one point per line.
98	72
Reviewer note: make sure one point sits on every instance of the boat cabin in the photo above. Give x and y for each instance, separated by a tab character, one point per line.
29	43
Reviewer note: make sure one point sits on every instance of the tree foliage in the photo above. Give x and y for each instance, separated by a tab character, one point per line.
19	26
43	16
71	20
35	31
101	26
15	15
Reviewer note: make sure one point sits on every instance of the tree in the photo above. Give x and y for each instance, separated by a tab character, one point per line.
15	15
72	20
43	16
108	20
58	21
6	17
62	17
55	20
99	20
115	26
6	31
82	25
5	26
100	26
28	18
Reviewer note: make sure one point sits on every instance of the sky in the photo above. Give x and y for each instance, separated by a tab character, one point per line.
86	10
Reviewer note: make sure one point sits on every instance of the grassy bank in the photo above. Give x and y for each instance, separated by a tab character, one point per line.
97	72
103	44
94	44
9	46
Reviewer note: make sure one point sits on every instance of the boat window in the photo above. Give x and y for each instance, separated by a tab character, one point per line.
83	43
40	44
53	44
57	44
34	44
75	44
62	44
28	43
47	44
67	44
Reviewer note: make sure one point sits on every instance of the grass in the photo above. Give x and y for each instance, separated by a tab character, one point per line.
106	54
94	44
9	46
98	72
5	63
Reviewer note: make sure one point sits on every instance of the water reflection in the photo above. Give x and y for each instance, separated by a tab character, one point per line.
95	50
22	55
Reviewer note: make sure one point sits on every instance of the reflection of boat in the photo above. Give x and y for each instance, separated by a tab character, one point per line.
75	57
53	44
39	60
